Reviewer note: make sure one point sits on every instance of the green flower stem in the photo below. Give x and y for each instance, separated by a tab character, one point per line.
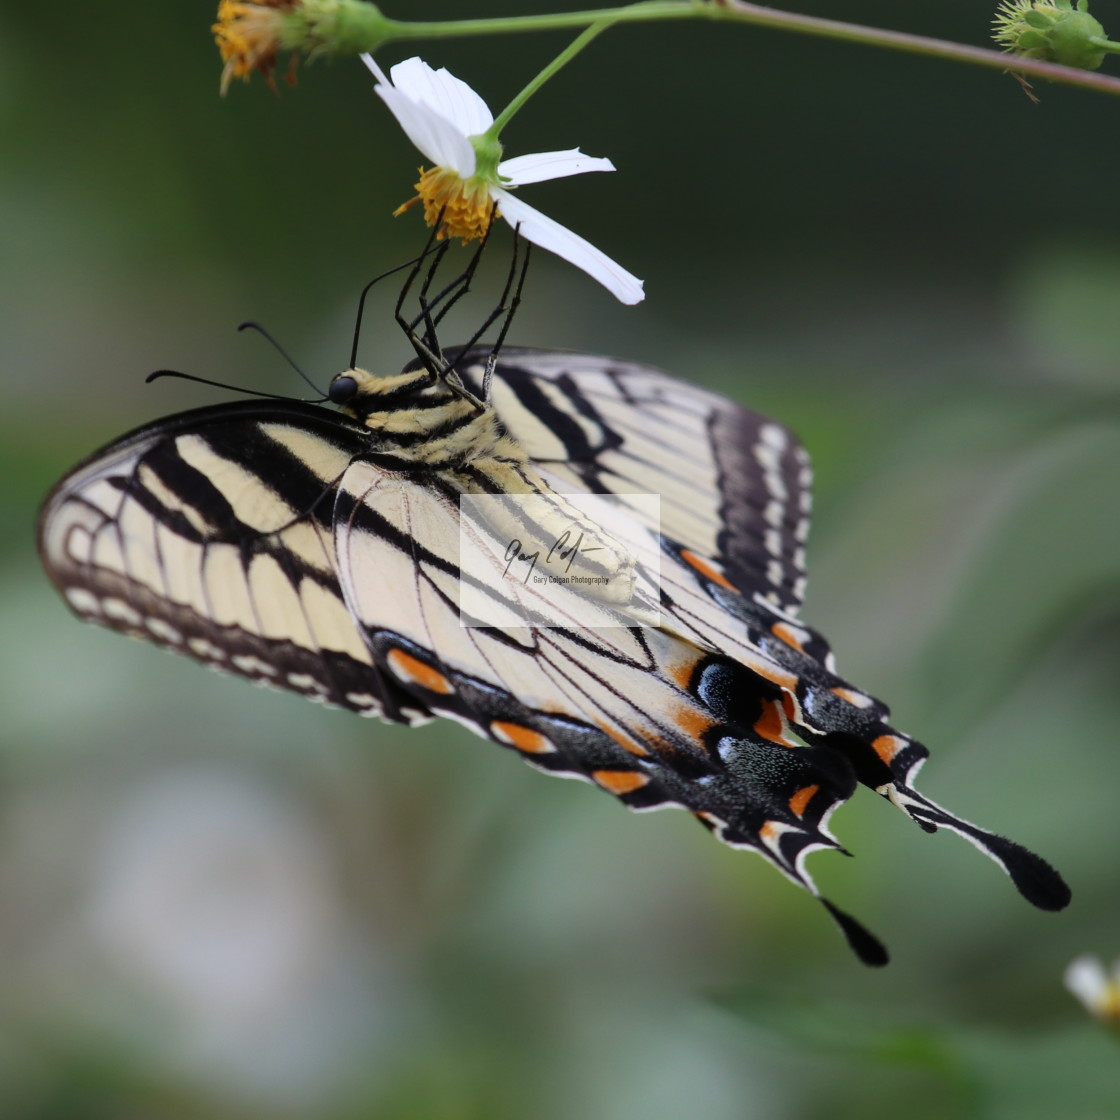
362	27
562	59
1106	45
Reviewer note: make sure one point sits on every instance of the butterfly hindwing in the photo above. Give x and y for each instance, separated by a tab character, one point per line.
640	711
735	535
734	486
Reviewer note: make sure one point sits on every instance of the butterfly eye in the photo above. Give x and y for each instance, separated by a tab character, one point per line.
342	389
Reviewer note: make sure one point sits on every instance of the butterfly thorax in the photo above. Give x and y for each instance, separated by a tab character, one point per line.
425	424
423	421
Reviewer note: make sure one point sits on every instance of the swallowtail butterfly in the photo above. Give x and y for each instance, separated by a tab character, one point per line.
319	551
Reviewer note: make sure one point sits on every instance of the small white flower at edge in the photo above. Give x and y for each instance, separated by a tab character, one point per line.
441	115
1096	988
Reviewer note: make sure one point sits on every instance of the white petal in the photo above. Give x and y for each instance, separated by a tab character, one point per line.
453	99
548	234
437	139
373	68
549	165
1086	978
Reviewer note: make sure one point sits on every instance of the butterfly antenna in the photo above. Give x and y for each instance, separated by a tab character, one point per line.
250	325
221	385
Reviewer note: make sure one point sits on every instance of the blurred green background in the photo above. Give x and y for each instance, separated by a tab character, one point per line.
222	902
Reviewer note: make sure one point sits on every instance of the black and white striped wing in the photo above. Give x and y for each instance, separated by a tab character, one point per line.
642	712
734	486
264	539
211	533
255	538
735	505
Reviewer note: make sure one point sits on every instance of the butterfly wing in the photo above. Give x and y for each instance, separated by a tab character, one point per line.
734	521
248	537
210	534
829	712
638	711
254	537
734	486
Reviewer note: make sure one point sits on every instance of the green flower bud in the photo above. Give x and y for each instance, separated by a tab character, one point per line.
1053	31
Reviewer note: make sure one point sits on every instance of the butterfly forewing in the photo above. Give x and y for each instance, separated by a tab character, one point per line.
210	533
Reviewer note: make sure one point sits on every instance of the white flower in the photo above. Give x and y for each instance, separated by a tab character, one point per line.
1097	989
445	119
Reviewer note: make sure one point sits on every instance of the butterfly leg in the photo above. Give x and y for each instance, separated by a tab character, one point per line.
506	306
454	291
495	350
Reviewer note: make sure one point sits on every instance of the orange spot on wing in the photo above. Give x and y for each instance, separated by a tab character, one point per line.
521	737
772	724
788	635
706	569
766	669
620	781
857	699
769	831
887	747
412	670
692	722
789	706
682	671
801	799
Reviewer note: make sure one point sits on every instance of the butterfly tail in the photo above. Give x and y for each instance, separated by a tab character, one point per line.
887	761
836	715
785	847
793	792
863	942
1034	878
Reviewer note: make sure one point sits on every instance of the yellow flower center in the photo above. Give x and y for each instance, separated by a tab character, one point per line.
462	207
1108	1007
248	37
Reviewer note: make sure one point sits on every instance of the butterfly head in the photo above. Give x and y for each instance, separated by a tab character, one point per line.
368	397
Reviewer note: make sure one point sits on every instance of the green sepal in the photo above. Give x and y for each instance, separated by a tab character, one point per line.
487	156
1072	41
